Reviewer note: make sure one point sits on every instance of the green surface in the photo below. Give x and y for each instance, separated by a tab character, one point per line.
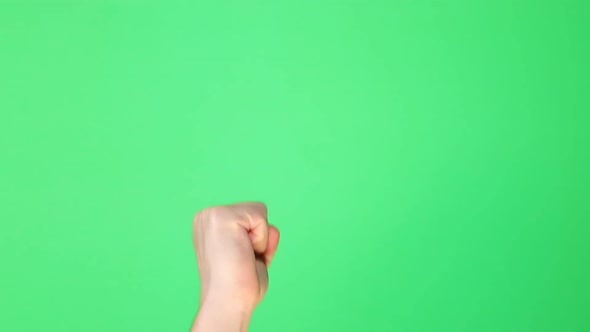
427	161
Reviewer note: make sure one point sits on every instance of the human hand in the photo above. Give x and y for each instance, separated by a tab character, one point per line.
234	245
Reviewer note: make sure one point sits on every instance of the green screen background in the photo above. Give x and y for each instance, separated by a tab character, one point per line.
426	161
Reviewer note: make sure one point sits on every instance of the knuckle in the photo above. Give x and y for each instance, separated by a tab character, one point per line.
202	215
211	213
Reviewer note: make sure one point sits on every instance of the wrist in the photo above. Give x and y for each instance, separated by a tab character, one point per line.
217	315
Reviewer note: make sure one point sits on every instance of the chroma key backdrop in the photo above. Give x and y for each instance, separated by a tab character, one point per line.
427	161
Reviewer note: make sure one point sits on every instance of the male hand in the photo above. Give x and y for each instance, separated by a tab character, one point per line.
234	246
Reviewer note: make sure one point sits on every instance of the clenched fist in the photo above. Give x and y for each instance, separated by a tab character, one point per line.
234	246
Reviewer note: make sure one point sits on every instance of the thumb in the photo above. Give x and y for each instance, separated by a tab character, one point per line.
272	244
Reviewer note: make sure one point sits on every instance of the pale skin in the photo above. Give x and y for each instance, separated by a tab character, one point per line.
234	245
